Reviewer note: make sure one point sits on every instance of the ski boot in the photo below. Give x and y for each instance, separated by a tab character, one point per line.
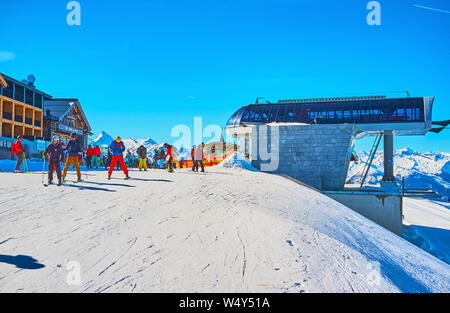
79	180
60	182
63	178
109	176
50	182
126	176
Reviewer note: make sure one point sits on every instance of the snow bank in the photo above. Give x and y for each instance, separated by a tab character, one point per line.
427	225
236	161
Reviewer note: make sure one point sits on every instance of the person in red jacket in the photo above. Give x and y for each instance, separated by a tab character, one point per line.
198	157
169	154
17	150
89	154
95	156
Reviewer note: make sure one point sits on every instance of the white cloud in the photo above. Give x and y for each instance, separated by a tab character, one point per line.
7	56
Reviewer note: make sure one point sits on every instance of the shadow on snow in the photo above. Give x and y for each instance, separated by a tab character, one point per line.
21	261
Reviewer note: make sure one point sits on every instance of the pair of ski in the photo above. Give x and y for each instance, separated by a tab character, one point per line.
62	183
47	184
126	178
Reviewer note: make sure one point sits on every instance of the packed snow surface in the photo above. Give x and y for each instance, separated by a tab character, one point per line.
223	231
427	224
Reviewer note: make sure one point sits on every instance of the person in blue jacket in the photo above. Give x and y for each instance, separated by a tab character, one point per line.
117	148
73	149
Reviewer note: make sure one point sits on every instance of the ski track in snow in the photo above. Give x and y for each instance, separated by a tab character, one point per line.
227	231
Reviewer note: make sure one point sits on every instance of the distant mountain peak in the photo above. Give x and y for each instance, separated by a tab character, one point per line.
420	170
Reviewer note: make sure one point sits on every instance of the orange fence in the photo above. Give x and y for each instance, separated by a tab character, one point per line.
209	160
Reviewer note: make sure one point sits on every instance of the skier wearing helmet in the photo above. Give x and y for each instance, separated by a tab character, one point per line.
117	148
55	155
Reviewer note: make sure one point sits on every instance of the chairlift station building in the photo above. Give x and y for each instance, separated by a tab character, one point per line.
311	140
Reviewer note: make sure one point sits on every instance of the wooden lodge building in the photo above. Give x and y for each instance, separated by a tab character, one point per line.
21	109
27	111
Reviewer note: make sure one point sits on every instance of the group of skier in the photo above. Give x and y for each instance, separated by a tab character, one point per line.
56	152
197	157
93	156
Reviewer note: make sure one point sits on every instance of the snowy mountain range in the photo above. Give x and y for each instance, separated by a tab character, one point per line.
131	144
429	170
104	140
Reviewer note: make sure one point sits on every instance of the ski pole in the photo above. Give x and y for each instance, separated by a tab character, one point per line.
43	166
25	167
85	167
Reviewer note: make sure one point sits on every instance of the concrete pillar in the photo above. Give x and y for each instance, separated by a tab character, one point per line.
388	156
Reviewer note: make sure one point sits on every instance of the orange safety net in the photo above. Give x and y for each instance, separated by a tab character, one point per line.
209	160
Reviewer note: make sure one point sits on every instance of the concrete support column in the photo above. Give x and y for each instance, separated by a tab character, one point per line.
388	156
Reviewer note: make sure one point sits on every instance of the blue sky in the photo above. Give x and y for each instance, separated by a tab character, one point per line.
140	67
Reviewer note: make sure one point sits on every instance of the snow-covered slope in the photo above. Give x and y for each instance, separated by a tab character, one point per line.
430	170
224	231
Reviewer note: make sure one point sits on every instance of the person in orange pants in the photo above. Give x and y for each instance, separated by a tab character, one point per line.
116	149
73	148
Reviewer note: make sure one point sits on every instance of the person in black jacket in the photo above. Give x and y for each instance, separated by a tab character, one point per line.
161	157
73	148
142	152
55	155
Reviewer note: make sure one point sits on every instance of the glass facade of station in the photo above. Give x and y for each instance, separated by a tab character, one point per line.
357	111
